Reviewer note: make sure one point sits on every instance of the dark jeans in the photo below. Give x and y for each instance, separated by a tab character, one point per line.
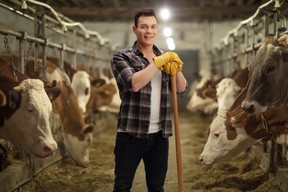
130	150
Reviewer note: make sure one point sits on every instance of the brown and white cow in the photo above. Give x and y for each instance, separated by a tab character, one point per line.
215	146
203	99
67	116
236	130
269	82
108	97
24	120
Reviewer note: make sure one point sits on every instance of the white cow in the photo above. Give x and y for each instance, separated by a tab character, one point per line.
82	88
217	148
26	118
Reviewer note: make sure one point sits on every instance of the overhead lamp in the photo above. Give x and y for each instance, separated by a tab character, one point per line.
170	43
167	31
165	14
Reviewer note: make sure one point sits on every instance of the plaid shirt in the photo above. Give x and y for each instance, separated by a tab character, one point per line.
135	107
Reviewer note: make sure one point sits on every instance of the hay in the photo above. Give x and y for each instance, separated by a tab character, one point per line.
239	174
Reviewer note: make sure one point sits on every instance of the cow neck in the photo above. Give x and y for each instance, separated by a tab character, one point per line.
222	113
67	103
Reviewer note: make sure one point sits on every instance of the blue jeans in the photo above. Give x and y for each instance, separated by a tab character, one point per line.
130	150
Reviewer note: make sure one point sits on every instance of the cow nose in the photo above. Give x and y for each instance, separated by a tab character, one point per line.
248	107
50	149
201	160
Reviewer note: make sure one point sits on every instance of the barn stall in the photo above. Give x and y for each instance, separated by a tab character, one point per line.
79	46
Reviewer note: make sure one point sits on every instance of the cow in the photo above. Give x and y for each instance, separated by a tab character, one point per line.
268	86
90	95
24	120
101	94
67	117
81	87
202	100
226	92
108	97
236	130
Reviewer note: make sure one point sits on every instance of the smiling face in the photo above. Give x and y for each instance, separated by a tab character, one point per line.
146	30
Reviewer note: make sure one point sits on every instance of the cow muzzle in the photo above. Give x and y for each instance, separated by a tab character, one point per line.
253	107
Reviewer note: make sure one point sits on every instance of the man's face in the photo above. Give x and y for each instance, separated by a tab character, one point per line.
147	30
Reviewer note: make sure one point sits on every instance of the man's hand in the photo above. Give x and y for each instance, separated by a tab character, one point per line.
172	67
161	60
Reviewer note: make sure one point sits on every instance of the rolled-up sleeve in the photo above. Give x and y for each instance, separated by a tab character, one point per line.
122	70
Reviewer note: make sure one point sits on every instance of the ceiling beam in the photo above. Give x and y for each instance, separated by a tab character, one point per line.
186	13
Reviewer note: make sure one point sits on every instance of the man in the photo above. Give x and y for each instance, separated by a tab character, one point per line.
144	122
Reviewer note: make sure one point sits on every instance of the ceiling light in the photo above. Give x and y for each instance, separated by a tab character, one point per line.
167	31
165	14
170	43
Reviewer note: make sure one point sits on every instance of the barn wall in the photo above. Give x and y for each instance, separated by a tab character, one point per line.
191	43
187	36
193	40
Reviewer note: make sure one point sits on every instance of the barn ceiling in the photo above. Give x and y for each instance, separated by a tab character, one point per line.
182	10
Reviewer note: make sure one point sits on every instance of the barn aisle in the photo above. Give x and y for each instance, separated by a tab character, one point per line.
239	174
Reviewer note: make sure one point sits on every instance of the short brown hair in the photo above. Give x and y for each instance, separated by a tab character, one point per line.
143	12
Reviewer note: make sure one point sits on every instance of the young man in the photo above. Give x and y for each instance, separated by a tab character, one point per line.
143	73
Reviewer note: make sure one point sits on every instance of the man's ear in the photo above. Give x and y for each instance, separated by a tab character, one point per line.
134	28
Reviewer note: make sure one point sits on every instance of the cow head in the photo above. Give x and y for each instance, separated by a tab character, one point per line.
221	146
202	99
33	108
103	94
78	146
82	88
268	86
222	143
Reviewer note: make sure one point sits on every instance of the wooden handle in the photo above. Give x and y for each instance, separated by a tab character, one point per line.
177	134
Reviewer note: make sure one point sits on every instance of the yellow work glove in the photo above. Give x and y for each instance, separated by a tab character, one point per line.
169	56
172	67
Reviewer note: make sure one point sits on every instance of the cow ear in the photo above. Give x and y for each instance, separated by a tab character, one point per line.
211	93
98	82
14	99
54	83
86	91
53	93
284	55
88	129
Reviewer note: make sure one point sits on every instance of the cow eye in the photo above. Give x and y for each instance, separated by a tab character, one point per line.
30	109
216	135
270	69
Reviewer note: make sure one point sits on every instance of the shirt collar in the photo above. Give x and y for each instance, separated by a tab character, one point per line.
138	52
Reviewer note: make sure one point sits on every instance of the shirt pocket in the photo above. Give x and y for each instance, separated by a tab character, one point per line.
137	65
